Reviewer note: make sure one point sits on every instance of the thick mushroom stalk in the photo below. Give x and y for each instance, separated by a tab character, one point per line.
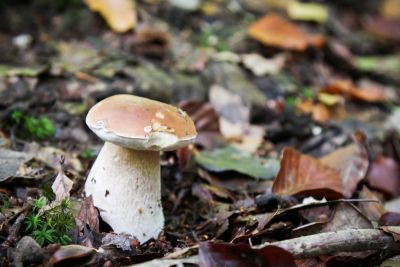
125	179
125	185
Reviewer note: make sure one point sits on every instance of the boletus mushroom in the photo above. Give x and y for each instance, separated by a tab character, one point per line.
125	178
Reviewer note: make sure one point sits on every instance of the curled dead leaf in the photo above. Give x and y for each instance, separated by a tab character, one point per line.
302	175
120	15
273	30
370	94
74	255
351	162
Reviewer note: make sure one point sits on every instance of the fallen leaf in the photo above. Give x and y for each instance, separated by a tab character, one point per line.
75	57
123	241
232	159
272	30
203	115
384	176
385	65
393	230
393	205
329	100
302	175
351	162
346	87
373	210
120	15
318	111
345	216
390	9
307	11
390	218
234	114
236	255
62	186
148	41
383	28
74	255
261	66
21	71
10	162
88	215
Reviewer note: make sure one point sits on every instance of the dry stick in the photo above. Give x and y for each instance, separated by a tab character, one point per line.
339	241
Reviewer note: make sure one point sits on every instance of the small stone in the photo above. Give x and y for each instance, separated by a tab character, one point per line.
28	250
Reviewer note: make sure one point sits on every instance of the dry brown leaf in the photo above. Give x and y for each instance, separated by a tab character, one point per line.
352	164
302	175
74	255
373	210
393	230
62	186
384	176
120	15
272	30
88	215
318	111
346	87
203	115
149	41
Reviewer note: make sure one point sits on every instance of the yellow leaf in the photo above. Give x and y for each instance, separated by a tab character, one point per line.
307	11
120	15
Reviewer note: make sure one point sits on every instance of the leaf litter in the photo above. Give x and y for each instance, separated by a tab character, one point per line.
261	81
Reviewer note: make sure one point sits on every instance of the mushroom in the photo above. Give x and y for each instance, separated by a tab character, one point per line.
125	178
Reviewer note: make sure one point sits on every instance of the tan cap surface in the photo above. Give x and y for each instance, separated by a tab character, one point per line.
140	123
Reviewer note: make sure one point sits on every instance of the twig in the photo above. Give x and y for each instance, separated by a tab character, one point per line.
339	241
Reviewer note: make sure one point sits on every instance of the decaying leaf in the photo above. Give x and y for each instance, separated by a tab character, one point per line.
226	254
119	14
393	230
390	218
346	87
62	186
74	255
373	210
345	216
10	162
272	30
234	114
122	241
232	159
88	215
261	66
318	111
302	175
352	164
384	176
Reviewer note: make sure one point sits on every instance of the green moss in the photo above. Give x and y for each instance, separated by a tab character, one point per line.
38	128
50	223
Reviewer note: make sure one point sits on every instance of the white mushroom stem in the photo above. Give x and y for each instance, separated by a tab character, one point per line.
126	187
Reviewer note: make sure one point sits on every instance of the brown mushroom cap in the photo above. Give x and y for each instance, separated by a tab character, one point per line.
140	123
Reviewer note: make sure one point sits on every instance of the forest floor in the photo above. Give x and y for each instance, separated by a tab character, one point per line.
297	109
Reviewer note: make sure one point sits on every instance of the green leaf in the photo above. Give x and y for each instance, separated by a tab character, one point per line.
388	65
21	71
232	159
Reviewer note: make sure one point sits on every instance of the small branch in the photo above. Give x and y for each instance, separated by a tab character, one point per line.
352	240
